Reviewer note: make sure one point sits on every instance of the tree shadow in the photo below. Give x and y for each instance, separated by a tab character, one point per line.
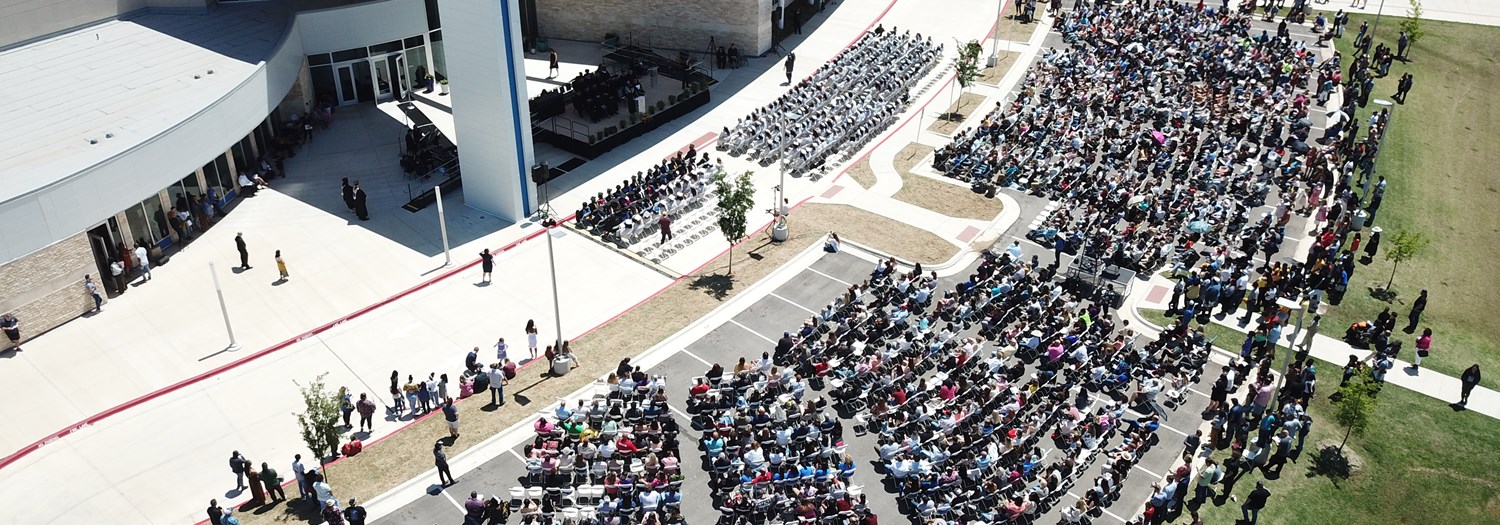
1384	294
1330	463
715	285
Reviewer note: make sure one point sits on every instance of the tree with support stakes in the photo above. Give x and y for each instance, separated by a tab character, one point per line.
966	68
1403	248
320	422
735	200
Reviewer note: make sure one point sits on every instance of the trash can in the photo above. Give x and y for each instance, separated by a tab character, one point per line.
1357	223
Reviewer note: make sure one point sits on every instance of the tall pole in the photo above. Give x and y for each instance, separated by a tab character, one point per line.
995	52
222	307
442	224
548	222
1376	25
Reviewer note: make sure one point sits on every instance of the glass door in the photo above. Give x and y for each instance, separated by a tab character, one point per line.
348	94
382	80
397	65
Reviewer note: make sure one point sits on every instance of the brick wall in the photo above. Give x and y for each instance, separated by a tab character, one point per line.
45	288
671	24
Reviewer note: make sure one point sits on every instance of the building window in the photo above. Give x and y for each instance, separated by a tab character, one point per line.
439	66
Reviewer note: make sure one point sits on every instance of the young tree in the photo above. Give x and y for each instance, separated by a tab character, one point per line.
966	68
1412	24
1355	406
735	200
321	419
1403	248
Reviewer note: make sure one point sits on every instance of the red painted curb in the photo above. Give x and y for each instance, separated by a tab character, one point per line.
91	420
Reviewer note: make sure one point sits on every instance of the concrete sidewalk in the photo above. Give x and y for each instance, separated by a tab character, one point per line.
1156	294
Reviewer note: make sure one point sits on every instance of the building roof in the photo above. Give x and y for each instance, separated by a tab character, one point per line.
119	84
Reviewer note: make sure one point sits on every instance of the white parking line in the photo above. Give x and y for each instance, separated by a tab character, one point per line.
695	356
835	279
793	303
748	329
453	501
1138	466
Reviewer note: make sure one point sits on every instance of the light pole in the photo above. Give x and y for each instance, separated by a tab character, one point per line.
540	173
442	223
994	59
222	307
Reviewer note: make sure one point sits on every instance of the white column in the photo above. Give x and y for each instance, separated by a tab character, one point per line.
491	116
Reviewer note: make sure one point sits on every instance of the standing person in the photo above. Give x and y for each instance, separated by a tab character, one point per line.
355	513
272	481
237	465
1254	502
412	396
531	337
500	350
366	410
486	264
450	413
257	490
301	475
281	267
1415	316
346	405
1402	86
424	396
117	275
93	290
398	403
239	245
1470	379
497	385
321	489
440	460
332	514
665	224
1401	44
552	66
361	207
1424	348
143	260
347	192
215	512
791	59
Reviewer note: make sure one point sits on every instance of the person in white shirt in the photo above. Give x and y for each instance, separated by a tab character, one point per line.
143	259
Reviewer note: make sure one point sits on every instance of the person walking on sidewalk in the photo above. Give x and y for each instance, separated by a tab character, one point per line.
440	460
553	67
281	266
486	265
143	260
1415	316
366	410
93	290
665	224
347	192
1424	348
237	465
1470	379
346	405
239	245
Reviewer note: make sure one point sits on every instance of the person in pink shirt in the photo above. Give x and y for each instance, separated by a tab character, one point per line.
1424	348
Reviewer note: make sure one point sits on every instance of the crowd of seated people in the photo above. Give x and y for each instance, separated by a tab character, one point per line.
991	397
609	460
775	453
839	107
598	94
1158	127
630	211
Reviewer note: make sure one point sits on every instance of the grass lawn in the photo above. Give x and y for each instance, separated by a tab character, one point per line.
1420	462
1443	171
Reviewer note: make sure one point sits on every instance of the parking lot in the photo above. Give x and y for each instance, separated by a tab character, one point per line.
754	330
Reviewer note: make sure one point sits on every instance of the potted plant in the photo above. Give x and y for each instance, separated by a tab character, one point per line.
634	118
671	99
444	86
660	105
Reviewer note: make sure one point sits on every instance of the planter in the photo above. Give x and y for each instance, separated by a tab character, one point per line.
444	87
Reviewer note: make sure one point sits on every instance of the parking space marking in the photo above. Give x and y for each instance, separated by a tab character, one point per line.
516	454
834	279
702	360
1138	466
1104	510
748	329
793	303
453	501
